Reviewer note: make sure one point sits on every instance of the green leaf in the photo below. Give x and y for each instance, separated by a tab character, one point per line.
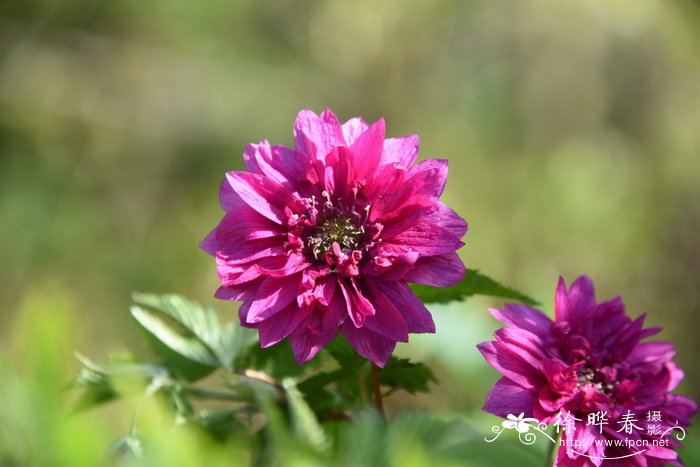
343	353
97	388
187	356
323	379
180	400
320	396
277	361
121	373
200	321
221	424
231	341
452	440
304	423
365	442
125	448
353	382
473	283
400	373
187	336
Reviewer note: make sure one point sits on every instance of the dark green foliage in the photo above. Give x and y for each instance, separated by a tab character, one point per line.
473	283
277	361
320	412
186	336
121	373
221	423
401	373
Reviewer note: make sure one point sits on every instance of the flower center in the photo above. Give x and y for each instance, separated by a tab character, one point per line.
593	377
341	230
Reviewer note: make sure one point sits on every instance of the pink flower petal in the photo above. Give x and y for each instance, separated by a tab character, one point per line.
427	240
370	345
446	218
323	237
306	344
357	304
388	321
273	295
438	271
506	398
511	365
240	225
283	266
245	252
281	324
264	195
336	312
237	292
525	317
582	293
527	341
435	170
367	149
416	315
562	307
281	164
229	199
315	136
352	129
402	151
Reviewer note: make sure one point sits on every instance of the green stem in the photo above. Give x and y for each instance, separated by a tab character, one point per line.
204	393
256	375
553	450
362	382
378	402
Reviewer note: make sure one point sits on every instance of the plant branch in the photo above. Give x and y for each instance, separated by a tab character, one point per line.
378	401
263	377
204	393
259	376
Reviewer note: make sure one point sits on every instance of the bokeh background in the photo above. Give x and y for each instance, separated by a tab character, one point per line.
572	129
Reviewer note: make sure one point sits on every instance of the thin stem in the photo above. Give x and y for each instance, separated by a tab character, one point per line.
204	393
256	375
362	383
361	380
553	450
378	402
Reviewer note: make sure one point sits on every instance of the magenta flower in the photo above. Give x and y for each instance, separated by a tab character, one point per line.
324	238
589	372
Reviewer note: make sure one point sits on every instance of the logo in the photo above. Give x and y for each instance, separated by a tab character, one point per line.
627	432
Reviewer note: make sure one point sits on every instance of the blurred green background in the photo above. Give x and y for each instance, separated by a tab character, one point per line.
572	130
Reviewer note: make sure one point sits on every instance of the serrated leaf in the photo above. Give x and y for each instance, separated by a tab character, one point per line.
125	448
343	353
355	378
452	439
221	424
180	401
188	357
364	441
101	383
191	347
401	373
322	398
231	341
97	389
323	379
473	283
277	361
187	336
304	423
